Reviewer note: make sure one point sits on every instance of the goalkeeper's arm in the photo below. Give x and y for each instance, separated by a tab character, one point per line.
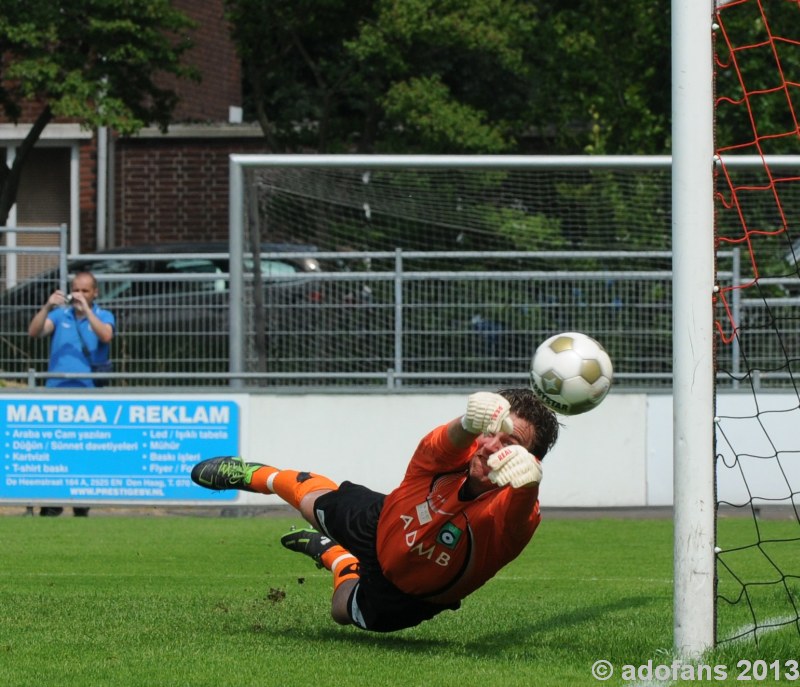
487	413
515	466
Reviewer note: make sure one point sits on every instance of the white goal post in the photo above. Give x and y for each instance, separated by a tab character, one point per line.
693	364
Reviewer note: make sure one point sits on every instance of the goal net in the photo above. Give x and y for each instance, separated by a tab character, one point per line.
449	272
757	61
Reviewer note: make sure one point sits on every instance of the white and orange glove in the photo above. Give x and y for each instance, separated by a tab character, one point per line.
487	413
515	466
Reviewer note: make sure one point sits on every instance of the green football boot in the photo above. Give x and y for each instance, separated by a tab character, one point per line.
225	472
308	541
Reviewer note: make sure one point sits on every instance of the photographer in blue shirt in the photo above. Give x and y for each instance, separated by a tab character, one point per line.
81	333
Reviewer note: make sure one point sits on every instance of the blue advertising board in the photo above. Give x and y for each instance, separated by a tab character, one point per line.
127	450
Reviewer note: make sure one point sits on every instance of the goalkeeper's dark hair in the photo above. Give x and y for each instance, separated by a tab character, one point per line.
525	405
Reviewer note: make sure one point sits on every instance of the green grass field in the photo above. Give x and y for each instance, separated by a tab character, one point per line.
166	601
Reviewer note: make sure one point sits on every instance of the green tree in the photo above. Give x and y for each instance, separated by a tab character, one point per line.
603	81
301	85
457	76
386	75
97	62
454	76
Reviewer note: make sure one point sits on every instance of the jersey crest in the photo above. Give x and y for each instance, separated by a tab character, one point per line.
449	535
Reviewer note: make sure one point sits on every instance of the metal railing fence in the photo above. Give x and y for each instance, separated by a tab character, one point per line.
393	320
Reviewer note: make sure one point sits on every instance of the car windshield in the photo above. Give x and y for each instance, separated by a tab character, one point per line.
109	289
197	266
271	268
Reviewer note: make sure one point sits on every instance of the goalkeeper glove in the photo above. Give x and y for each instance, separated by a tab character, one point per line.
515	466
487	413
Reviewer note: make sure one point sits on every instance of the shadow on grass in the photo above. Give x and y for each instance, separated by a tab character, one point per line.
545	629
394	641
518	636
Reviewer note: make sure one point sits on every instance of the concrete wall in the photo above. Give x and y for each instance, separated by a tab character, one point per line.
618	455
600	459
369	439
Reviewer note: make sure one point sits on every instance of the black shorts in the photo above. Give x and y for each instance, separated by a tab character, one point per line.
349	516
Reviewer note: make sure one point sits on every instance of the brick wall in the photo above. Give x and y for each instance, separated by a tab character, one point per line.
88	194
215	56
30	111
174	190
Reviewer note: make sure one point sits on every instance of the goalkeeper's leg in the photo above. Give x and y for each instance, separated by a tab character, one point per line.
298	489
327	554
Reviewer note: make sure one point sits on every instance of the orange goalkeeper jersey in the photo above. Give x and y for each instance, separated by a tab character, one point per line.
431	543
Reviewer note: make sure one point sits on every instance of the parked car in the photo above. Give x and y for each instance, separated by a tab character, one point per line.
169	258
171	302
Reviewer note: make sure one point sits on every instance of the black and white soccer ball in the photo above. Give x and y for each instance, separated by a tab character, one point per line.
571	373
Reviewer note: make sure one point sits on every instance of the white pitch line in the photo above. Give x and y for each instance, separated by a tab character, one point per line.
745	632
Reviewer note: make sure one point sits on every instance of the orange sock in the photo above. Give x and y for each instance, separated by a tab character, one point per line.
258	480
342	563
292	486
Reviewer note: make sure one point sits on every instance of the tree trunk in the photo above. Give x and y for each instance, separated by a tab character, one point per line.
10	178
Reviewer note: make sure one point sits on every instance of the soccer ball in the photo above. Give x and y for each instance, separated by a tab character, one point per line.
571	373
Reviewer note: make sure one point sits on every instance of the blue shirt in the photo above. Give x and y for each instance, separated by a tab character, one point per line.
66	352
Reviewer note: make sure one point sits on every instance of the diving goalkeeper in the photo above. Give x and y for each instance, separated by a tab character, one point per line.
467	506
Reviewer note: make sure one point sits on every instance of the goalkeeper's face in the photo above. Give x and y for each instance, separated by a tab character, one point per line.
523	434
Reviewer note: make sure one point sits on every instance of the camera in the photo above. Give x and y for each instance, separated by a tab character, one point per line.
69	298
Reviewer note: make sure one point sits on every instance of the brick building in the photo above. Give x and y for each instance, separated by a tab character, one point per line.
114	191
